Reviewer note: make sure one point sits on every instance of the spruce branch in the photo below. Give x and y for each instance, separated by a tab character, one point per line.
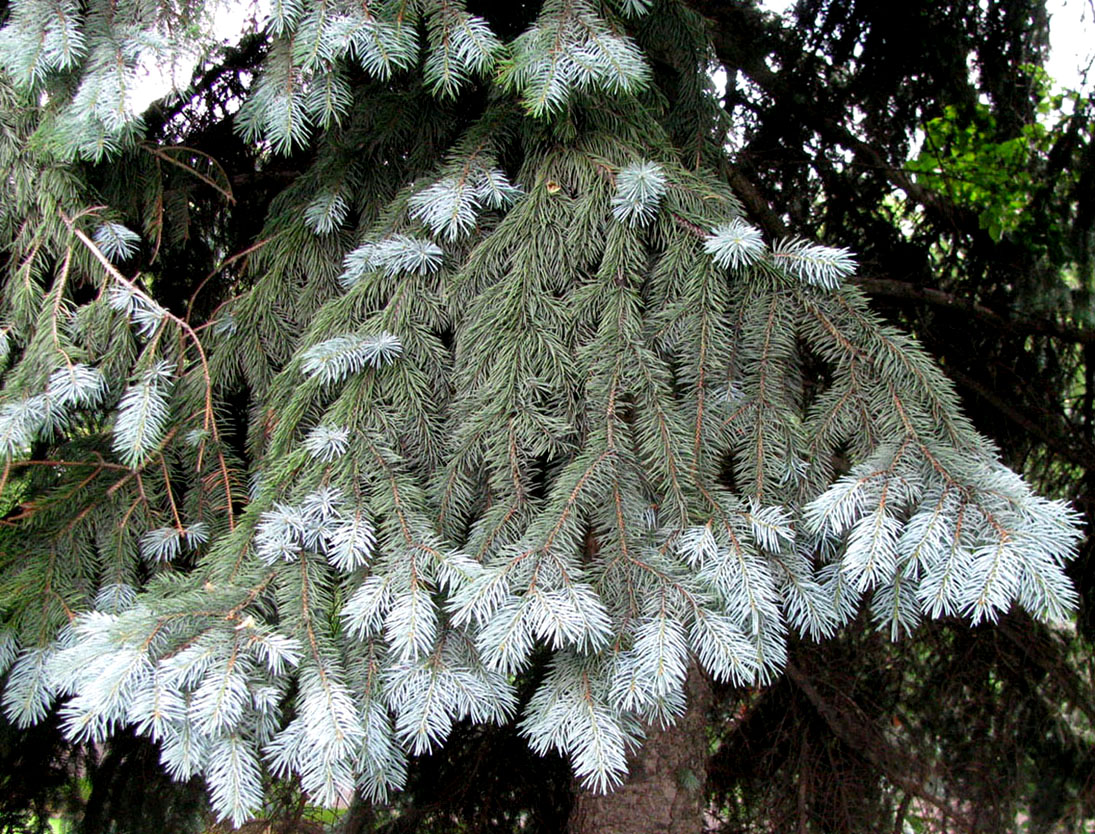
143	416
209	422
333	360
639	189
116	241
822	266
735	245
584	436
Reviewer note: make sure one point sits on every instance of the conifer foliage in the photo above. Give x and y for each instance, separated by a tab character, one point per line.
507	376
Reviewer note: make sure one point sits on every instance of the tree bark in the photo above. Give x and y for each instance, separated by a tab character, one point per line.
665	791
359	817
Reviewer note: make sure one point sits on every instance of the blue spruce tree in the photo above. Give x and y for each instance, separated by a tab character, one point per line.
502	382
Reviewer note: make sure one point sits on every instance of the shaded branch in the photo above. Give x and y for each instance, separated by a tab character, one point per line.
1083	457
1025	325
898	767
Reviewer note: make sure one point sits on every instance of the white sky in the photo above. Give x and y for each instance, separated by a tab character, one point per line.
1072	42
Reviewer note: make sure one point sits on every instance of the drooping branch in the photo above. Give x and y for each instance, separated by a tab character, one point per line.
898	766
1017	325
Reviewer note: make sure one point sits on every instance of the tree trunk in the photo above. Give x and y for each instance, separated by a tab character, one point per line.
664	793
359	817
